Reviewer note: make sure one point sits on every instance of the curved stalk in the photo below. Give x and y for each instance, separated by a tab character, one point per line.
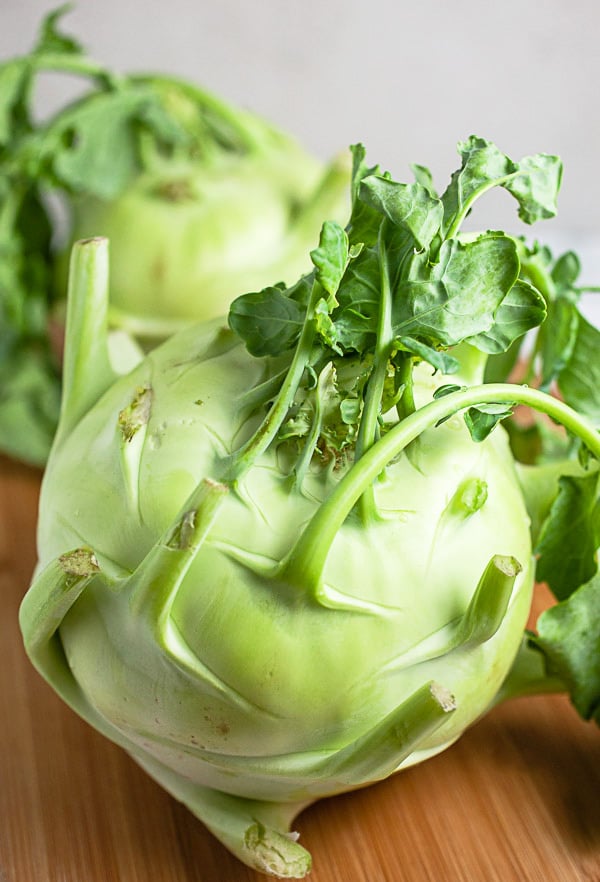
467	204
304	565
76	64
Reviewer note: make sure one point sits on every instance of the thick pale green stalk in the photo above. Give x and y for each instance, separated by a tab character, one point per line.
51	595
87	371
480	621
154	584
304	565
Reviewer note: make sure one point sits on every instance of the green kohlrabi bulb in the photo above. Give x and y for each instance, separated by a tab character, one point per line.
288	556
172	611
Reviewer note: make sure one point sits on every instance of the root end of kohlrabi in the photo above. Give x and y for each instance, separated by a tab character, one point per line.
276	854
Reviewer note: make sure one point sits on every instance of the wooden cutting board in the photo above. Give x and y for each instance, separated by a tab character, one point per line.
517	799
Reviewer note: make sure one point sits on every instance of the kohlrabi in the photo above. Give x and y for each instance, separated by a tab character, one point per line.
288	557
200	201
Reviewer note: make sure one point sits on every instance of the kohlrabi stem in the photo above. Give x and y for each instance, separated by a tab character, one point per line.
466	207
75	64
305	564
87	371
242	459
258	395
368	430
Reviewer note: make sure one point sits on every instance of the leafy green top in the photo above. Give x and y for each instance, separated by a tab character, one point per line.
402	285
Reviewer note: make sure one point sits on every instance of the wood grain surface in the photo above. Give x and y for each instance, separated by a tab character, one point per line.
517	799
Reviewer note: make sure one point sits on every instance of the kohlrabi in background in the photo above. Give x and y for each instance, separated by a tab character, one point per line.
286	558
201	202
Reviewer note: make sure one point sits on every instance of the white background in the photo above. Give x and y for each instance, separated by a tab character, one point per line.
408	78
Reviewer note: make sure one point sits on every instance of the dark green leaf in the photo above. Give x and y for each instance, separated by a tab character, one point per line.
579	380
331	257
536	186
360	169
424	177
359	299
569	636
523	308
459	295
557	339
268	321
409	206
364	221
565	271
482	165
447	389
51	40
570	536
534	182
326	328
483	419
440	360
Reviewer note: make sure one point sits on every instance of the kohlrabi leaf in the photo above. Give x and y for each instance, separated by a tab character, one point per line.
557	339
534	182
569	636
364	220
408	206
358	298
438	359
565	271
331	257
360	169
579	379
482	166
424	177
522	309
569	539
457	298
52	40
535	186
483	419
268	321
